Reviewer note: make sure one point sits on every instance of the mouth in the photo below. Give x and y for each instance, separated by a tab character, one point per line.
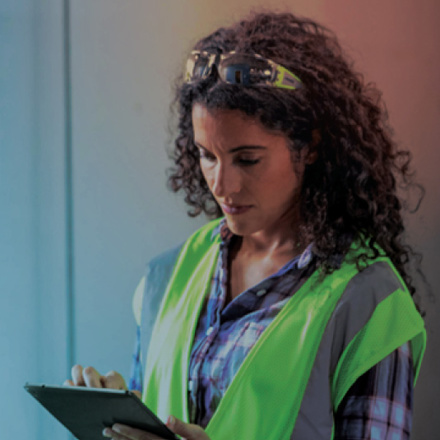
235	209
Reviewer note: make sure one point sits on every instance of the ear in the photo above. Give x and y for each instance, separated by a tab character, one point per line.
312	154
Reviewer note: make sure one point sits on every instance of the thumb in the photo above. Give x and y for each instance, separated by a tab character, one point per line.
188	431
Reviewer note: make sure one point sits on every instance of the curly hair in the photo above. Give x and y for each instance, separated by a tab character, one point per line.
350	190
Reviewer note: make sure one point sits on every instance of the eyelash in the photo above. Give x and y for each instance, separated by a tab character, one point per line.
243	162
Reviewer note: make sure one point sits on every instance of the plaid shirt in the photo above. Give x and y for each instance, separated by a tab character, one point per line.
378	405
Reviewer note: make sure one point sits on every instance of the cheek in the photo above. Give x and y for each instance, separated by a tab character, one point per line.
209	176
206	174
280	186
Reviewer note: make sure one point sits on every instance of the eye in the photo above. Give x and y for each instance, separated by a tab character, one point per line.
242	161
205	155
248	162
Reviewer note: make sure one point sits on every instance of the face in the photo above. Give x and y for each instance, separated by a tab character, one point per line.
248	169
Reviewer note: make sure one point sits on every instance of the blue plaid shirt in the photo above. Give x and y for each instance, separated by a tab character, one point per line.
379	404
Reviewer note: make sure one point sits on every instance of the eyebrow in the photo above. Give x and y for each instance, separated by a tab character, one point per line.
235	149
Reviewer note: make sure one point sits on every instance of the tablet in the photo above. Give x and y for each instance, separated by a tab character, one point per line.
85	412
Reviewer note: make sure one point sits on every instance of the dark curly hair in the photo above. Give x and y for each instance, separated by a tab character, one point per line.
350	190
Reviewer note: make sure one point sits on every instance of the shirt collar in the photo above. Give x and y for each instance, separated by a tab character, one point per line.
223	230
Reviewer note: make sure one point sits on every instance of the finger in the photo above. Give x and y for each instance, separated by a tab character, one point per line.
107	432
92	378
130	433
187	430
113	380
137	393
68	383
77	376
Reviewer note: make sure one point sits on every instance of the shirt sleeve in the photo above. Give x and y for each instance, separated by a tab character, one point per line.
379	404
135	381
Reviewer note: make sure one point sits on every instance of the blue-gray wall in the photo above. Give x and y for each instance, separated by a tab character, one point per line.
32	220
89	96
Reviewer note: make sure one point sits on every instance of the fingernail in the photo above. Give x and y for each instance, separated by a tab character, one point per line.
116	428
171	420
106	432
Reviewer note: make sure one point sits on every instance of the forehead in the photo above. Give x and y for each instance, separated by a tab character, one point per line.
225	124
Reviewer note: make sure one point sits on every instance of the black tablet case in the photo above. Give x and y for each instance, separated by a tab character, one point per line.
85	412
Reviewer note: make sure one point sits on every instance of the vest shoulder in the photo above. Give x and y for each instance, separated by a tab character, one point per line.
373	269
368	287
169	256
378	278
203	235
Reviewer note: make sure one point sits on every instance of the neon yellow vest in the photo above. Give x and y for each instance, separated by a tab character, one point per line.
264	398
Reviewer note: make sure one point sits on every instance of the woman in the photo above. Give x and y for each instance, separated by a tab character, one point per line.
291	314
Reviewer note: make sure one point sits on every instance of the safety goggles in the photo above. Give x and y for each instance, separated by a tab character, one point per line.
238	68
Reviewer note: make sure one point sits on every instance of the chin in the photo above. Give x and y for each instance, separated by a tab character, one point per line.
241	226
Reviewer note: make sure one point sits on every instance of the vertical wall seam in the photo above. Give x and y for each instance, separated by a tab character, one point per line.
70	310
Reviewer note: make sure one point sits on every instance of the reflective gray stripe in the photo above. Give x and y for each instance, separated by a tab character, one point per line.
355	307
157	275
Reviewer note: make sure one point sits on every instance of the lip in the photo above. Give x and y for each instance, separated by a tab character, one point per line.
235	209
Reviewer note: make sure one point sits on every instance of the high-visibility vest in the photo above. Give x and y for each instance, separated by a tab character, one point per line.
330	332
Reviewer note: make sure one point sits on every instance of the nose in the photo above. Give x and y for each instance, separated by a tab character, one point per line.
224	180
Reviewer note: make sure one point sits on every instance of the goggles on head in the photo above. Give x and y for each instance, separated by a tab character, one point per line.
238	68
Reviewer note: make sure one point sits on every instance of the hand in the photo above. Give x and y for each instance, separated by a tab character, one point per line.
187	430
89	377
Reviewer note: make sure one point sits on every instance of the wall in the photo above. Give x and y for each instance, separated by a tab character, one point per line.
89	96
33	277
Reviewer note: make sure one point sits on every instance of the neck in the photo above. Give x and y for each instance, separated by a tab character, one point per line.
283	239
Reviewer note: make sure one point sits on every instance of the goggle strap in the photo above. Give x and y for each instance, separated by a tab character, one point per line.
286	79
